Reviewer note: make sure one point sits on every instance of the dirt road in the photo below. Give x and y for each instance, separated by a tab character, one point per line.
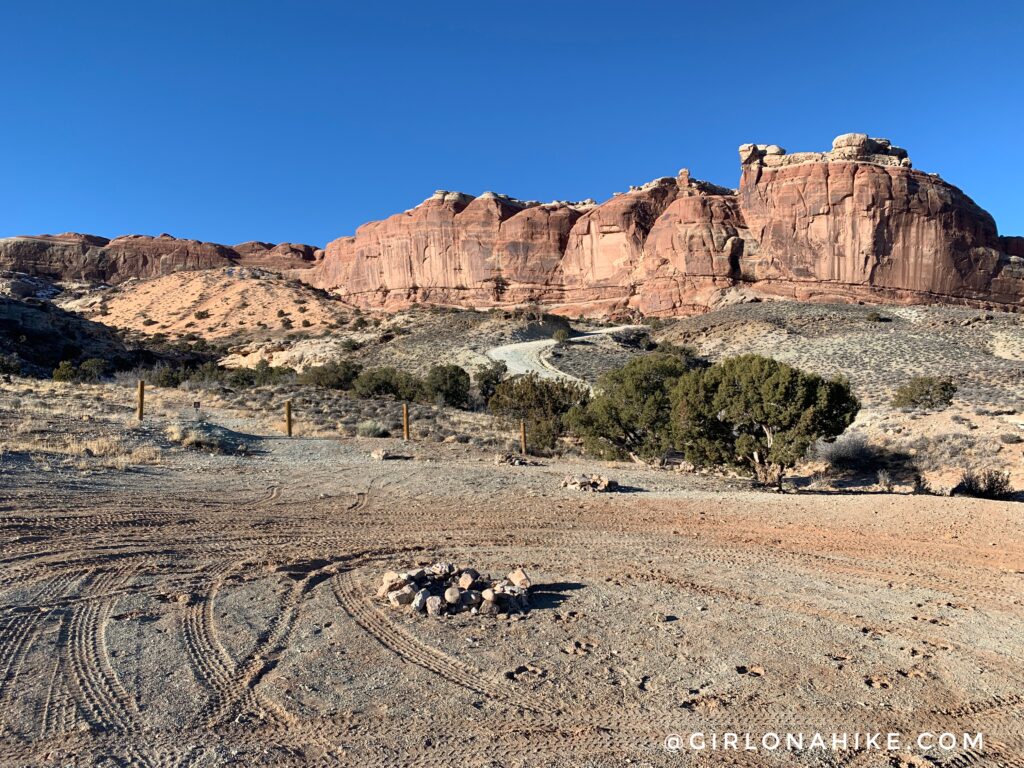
218	611
528	356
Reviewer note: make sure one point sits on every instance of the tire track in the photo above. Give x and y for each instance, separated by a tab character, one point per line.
97	689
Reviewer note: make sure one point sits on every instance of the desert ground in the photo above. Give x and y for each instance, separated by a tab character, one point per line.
199	589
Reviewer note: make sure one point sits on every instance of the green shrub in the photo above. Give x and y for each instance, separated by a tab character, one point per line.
92	370
541	403
758	413
261	375
987	484
371	429
387	382
927	393
561	335
632	410
877	317
340	374
350	345
488	377
65	371
447	385
202	314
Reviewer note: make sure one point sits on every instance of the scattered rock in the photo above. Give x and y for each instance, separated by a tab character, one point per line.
513	460
380	455
594	483
453	595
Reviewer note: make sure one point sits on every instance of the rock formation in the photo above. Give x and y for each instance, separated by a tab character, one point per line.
854	223
452	249
88	258
857	222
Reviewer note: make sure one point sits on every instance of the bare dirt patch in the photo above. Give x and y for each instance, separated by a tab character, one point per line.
221	609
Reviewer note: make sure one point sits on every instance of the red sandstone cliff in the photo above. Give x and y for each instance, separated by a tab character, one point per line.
73	256
856	222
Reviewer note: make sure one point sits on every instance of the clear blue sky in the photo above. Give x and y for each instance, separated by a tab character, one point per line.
232	121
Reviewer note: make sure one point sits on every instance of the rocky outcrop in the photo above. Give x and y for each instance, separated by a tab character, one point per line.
452	249
277	257
853	223
88	258
857	222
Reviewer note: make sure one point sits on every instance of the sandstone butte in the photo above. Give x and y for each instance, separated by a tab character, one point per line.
854	223
88	258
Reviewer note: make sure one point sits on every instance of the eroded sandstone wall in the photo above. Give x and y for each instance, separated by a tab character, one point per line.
855	222
88	258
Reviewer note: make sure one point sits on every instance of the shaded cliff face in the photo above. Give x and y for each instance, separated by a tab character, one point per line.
88	258
856	222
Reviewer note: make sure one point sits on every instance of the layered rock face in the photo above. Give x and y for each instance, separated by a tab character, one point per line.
73	256
856	222
859	222
452	249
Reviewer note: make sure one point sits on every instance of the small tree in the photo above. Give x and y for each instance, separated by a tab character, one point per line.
65	371
632	410
755	412
488	377
928	393
561	335
92	370
339	374
541	403
387	382
448	385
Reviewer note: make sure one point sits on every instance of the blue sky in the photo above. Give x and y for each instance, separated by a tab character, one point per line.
232	121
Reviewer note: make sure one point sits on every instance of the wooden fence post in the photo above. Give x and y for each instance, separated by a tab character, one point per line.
140	400
522	436
288	417
405	422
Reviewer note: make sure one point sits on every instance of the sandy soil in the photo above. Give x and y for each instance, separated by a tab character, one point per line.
218	610
214	304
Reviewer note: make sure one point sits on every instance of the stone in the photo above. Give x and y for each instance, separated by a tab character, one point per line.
471	597
489	595
519	578
391	582
488	608
379	454
403	596
435	606
443	569
419	602
453	595
468	579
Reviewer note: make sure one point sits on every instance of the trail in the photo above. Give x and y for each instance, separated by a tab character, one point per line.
528	356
